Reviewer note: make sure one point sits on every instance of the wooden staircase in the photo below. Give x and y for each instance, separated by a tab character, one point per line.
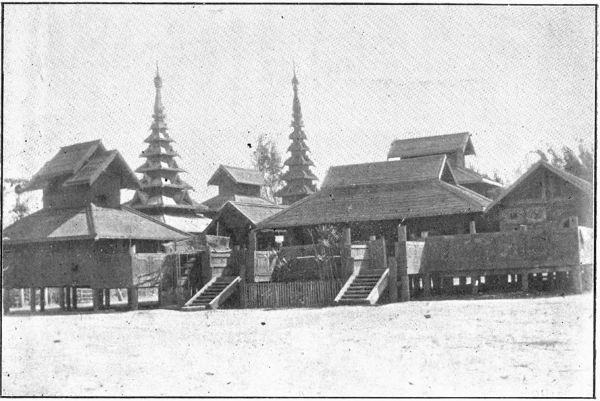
213	294
365	287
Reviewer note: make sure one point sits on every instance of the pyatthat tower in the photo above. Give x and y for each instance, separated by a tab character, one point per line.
299	179
163	194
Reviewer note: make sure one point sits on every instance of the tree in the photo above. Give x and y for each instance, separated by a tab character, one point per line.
21	208
580	163
267	159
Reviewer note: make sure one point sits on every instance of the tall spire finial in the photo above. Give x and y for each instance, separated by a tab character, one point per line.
158	107
294	79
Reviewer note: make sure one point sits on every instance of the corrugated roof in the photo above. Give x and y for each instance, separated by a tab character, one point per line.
581	184
431	145
68	160
92	222
384	202
217	202
238	175
387	172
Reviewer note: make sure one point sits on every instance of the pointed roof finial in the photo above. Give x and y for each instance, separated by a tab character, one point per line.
158	107
294	79
157	78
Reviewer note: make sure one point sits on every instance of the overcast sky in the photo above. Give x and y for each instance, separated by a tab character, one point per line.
517	78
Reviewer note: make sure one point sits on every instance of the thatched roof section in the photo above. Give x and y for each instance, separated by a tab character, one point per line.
82	163
393	190
389	172
468	176
91	222
382	202
432	145
237	175
217	202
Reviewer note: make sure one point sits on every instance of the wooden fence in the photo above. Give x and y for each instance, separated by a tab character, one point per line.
281	295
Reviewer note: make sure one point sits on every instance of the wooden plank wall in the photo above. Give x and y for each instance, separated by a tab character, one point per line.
295	294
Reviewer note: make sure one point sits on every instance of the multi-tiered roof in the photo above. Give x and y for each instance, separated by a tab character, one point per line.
299	178
163	193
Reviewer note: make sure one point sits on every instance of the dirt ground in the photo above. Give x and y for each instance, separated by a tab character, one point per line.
540	346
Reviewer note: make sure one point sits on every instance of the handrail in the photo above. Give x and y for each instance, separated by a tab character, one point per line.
345	287
202	290
223	295
378	289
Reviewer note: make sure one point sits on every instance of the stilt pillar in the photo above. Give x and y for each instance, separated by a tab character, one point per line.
525	281
132	298
68	297
32	299
402	264
95	299
107	297
474	284
61	298
427	285
74	295
393	280
42	299
576	281
6	300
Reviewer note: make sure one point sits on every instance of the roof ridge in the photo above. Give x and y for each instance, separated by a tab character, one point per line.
148	217
462	193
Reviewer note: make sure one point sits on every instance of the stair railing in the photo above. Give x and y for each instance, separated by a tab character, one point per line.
199	293
378	289
223	295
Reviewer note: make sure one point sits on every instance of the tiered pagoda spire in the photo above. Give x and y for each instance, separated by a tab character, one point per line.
162	190
299	178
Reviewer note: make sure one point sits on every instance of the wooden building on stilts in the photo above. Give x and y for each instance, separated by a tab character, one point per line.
82	237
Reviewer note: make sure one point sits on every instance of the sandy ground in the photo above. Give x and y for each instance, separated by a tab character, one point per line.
486	347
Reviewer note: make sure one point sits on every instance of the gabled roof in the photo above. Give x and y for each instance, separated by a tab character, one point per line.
67	161
577	182
389	172
237	175
253	213
468	176
95	166
217	202
82	163
372	203
432	145
90	222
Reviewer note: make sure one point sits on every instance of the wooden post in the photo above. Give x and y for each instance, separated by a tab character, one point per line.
68	297
393	280
576	281
6	300
61	298
472	229
401	263
42	299
107	297
427	285
525	281
347	236
74	294
474	284
95	299
22	297
32	299
132	298
252	240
